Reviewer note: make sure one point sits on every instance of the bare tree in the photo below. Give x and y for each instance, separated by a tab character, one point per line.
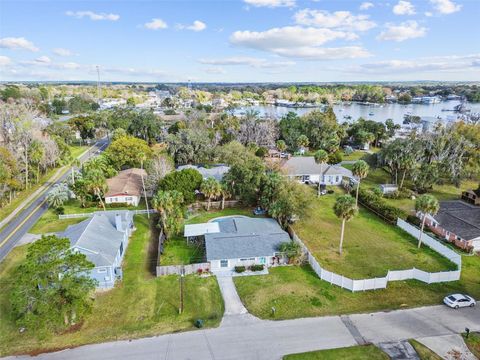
157	168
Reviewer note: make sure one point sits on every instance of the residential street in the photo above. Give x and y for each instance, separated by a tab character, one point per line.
247	338
26	218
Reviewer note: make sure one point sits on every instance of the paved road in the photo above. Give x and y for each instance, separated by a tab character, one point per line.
19	225
248	338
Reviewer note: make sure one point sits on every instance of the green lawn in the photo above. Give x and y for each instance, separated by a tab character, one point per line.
441	192
473	343
141	305
356	155
424	353
176	250
366	352
371	246
49	221
297	292
78	150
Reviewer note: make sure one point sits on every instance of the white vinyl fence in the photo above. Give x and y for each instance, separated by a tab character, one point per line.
186	269
75	216
396	275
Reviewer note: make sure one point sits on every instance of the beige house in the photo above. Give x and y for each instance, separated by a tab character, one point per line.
126	187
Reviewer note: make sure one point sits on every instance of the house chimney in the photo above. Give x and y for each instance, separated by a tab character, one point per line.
118	222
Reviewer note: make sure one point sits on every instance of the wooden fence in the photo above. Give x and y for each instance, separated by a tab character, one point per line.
213	205
187	269
396	275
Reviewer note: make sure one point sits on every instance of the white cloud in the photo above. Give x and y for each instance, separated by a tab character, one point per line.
428	64
17	43
343	20
156	24
404	8
247	61
271	3
92	15
299	42
62	52
5	60
403	31
196	26
215	70
445	6
428	14
43	60
366	5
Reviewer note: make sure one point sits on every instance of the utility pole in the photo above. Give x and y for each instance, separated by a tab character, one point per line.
182	280
99	91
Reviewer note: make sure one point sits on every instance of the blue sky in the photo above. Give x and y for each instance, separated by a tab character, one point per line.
240	41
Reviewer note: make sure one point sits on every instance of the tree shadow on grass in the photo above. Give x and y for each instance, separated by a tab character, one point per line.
152	254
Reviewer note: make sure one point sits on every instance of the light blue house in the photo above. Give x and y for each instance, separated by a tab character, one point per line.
103	238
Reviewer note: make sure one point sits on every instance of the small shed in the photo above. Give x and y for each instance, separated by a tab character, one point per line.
388	188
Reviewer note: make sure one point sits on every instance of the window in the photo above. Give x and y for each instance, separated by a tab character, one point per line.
129	198
249	259
223	263
102	270
338	178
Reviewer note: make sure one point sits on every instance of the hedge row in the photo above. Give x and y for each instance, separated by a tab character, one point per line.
378	205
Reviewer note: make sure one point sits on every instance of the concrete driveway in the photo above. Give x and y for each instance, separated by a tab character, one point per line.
451	347
233	304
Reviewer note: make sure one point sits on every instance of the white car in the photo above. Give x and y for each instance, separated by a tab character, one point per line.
456	301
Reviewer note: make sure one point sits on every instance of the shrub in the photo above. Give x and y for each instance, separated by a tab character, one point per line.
392	195
257	267
169	112
335	157
261	152
240	269
348	150
117	205
199	271
60	210
377	192
378	205
412	219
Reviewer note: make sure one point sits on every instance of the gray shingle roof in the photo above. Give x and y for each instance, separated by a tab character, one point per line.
216	172
306	165
244	238
98	236
459	218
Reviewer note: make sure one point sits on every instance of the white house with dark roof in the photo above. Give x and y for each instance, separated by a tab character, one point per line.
103	238
126	187
240	241
306	170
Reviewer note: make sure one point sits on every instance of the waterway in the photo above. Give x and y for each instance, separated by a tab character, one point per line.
377	112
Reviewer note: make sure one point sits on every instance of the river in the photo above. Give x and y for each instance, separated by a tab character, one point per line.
377	112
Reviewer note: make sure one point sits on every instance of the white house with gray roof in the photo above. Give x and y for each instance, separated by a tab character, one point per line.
241	241
103	238
214	171
306	170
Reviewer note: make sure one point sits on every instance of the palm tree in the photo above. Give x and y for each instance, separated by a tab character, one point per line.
302	142
211	189
345	209
225	192
58	195
281	145
360	170
96	184
427	205
321	157
169	206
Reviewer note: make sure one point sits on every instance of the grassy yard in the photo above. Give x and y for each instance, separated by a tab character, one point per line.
78	150
356	155
49	222
366	352
424	353
141	305
473	343
297	292
371	246
178	252
441	192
